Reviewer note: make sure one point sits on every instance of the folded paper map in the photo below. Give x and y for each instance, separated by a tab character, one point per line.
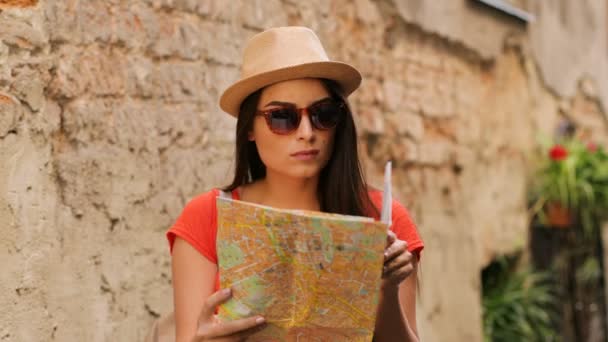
313	276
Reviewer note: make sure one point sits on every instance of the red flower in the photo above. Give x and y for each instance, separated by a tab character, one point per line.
591	147
558	152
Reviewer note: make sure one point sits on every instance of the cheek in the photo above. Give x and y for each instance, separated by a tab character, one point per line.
270	147
327	141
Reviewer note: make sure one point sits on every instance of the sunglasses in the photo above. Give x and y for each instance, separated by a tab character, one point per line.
324	114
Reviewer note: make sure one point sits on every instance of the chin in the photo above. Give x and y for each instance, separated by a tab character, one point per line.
301	171
305	172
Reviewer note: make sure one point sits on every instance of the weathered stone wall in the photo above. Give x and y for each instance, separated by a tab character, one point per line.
109	123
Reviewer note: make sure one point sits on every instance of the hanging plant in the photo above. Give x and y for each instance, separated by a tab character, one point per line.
571	185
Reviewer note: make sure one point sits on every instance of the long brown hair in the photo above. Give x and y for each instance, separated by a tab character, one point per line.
342	188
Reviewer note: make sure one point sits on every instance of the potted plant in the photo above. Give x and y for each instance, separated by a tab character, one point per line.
571	185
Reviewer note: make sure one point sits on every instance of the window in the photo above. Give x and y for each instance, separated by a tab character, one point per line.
512	8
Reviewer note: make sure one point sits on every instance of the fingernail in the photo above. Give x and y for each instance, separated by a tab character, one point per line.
385	254
227	292
260	320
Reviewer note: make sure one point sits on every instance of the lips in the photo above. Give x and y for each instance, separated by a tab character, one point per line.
305	154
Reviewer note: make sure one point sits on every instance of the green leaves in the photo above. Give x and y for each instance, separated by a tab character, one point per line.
574	175
518	305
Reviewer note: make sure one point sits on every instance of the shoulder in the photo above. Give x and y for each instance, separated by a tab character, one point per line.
197	224
398	209
403	225
199	210
203	200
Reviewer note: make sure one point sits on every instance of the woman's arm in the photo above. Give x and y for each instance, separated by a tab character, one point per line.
193	283
195	302
396	319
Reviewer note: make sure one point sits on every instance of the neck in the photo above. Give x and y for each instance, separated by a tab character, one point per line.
288	193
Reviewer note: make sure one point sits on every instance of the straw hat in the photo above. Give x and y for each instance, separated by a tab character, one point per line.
285	53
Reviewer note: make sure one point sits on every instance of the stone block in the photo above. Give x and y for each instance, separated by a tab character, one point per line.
367	11
133	125
80	21
136	26
109	177
180	36
22	33
29	86
10	113
435	151
217	79
394	94
371	120
407	124
403	151
201	7
95	70
172	81
262	14
435	106
223	42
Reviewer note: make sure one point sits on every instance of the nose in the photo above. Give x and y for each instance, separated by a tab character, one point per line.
305	130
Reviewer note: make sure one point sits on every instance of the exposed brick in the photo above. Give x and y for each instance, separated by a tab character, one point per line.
6	4
100	71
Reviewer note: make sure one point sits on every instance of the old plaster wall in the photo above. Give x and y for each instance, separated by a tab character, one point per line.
109	123
568	39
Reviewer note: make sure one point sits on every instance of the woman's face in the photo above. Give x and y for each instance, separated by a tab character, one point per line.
304	152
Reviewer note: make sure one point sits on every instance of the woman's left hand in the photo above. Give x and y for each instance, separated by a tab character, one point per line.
398	262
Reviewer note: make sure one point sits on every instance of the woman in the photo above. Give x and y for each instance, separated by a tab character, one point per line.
296	148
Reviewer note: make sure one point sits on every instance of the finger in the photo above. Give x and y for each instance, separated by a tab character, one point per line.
212	302
397	248
243	335
401	274
398	262
390	238
237	326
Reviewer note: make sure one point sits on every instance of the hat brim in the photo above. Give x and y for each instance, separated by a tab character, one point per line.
344	74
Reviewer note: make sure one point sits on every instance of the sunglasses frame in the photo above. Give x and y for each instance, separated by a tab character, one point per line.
266	113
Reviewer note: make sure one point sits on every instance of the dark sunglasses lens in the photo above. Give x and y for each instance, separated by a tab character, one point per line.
283	120
326	115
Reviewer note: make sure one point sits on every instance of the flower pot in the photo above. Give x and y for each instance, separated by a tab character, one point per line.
558	215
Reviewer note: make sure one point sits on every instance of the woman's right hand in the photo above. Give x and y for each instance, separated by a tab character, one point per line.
210	328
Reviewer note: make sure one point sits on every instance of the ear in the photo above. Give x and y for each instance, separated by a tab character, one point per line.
250	136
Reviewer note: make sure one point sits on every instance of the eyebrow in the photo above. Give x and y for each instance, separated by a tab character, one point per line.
281	103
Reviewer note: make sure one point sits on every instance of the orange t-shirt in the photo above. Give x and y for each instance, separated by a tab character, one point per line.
197	224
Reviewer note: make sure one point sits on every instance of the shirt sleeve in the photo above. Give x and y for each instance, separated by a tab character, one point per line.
197	225
405	229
